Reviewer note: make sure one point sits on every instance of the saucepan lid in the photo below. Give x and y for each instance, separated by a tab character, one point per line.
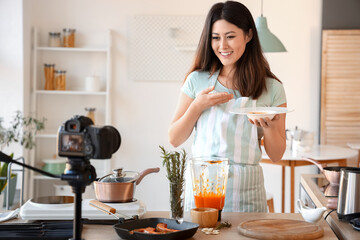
119	175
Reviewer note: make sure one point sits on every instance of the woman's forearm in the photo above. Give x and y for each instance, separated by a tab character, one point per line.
274	143
181	129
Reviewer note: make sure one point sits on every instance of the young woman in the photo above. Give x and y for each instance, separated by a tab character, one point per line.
230	67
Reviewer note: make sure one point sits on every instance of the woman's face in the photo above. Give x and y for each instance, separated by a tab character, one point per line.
228	42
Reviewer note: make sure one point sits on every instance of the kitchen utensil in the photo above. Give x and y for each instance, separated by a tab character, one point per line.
332	174
300	140
54	166
109	210
9	215
311	215
205	217
65	211
349	194
331	190
51	200
186	229
355	223
258	112
209	178
92	83
332	203
120	185
280	229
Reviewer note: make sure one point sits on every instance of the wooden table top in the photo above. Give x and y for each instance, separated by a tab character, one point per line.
95	232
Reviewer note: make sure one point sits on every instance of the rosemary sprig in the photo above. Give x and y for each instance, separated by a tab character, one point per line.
175	163
223	225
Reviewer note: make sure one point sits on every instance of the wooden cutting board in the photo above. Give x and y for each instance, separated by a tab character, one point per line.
280	229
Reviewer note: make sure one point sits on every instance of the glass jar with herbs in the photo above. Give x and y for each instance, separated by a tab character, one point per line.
175	163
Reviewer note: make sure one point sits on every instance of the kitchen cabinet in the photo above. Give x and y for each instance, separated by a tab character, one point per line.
340	86
57	106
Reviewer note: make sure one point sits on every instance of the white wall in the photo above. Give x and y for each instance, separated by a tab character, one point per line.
11	59
142	110
12	94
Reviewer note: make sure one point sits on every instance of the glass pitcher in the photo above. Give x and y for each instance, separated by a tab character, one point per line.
209	178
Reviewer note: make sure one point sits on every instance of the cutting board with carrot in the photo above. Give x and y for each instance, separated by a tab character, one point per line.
271	229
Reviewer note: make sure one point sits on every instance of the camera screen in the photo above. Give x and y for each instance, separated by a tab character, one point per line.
72	143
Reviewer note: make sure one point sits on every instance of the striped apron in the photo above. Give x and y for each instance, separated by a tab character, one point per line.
220	133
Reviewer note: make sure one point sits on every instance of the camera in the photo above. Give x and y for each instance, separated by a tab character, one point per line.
80	138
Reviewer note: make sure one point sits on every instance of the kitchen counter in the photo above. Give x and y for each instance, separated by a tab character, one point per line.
343	230
96	232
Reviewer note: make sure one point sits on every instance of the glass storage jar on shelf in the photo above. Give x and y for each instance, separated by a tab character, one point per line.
91	113
60	80
69	37
54	39
49	76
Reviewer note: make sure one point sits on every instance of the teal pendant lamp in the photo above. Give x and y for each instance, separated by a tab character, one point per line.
269	42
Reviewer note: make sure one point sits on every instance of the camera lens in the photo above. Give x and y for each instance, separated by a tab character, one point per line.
114	138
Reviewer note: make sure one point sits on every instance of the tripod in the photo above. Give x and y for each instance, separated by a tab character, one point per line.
80	174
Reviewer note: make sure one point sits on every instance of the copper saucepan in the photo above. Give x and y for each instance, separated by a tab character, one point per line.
332	174
120	185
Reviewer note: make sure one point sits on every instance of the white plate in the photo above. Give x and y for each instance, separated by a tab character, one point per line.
260	112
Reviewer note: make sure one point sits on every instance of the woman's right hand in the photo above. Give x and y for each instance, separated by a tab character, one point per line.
188	111
206	99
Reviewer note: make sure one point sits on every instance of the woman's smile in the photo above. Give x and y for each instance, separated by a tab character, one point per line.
226	54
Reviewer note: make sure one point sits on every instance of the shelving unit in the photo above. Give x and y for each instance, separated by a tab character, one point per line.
59	106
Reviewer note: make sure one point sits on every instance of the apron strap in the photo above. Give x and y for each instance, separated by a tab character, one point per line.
213	78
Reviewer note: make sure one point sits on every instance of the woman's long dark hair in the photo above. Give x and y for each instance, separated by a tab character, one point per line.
252	68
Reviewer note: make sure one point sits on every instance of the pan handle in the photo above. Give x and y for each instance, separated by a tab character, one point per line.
146	172
314	162
102	207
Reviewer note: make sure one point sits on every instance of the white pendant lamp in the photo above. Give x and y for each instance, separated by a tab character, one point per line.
269	42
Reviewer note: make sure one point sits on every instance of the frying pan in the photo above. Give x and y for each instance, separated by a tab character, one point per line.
332	174
186	229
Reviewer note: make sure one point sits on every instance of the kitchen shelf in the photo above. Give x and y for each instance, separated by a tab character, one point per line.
58	106
66	49
69	92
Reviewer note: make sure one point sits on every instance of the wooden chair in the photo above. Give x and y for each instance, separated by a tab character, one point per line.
270	202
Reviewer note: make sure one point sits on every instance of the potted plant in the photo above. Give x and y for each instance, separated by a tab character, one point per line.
21	131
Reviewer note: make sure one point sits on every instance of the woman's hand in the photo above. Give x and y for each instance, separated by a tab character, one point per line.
274	135
189	110
265	122
206	99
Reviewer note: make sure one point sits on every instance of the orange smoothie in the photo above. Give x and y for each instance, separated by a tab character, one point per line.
210	200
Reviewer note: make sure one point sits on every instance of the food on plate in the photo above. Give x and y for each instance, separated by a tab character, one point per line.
257	112
161	228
